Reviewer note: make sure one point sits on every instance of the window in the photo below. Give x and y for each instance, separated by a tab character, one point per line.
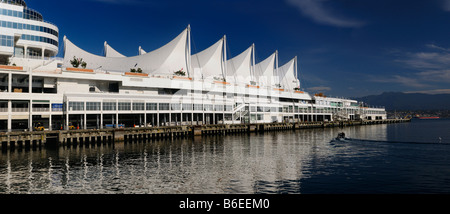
198	107
208	107
76	106
92	106
152	106
164	106
228	108
259	109
175	106
124	106
218	107
109	106
187	107
259	117
138	106
7	41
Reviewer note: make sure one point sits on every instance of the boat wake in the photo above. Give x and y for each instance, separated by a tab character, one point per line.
342	139
353	140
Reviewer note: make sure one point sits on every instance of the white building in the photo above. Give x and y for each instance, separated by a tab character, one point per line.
170	86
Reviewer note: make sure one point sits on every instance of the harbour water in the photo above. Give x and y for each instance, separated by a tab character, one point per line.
386	158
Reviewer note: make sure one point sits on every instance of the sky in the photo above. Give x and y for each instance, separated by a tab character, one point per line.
345	48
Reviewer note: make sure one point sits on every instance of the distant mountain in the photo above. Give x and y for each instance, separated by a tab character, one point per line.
408	101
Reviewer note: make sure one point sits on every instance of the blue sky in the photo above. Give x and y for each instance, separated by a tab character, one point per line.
348	48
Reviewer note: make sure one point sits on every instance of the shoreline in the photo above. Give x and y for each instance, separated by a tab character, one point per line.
110	136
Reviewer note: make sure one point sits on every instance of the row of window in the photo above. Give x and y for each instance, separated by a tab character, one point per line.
127	106
32	14
20	26
26	14
14	2
7	41
39	39
13	13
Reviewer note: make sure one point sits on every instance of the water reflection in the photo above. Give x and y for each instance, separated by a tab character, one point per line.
273	162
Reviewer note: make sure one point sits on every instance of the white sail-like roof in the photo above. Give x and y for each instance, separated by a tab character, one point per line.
141	51
264	71
208	63
111	52
239	68
164	61
287	76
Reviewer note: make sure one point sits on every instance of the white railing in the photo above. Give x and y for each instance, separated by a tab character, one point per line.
41	109
19	109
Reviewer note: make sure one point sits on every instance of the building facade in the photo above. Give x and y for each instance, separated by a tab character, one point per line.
164	87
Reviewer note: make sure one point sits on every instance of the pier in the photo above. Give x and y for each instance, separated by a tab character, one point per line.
109	136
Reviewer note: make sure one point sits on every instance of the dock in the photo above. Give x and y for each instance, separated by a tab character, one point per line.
109	136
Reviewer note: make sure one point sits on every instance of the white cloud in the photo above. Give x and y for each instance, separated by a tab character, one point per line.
319	89
431	62
435	91
446	5
432	66
435	75
406	81
318	12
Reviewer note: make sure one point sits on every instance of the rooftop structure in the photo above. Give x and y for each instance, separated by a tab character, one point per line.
24	33
163	87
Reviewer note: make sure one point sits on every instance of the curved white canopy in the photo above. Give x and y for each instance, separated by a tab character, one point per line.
141	51
239	68
287	76
166	60
111	52
264	71
209	63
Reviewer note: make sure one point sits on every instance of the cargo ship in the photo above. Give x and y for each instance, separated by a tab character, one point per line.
428	118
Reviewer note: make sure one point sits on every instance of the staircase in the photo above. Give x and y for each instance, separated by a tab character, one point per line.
240	111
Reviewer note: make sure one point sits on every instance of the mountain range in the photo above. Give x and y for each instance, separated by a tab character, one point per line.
408	101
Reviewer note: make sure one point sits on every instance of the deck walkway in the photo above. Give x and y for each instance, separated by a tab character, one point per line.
103	136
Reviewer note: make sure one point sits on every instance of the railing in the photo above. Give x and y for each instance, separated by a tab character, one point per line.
20	109
41	109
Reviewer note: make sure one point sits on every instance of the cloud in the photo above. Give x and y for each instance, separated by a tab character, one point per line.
318	12
435	75
319	89
426	60
446	5
406	81
433	46
435	91
431	67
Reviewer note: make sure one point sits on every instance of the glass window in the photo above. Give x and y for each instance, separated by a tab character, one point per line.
92	106
198	107
152	106
124	106
109	106
228	108
208	107
187	107
164	106
76	106
138	106
175	106
218	107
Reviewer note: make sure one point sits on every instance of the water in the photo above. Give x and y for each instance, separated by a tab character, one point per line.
400	158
